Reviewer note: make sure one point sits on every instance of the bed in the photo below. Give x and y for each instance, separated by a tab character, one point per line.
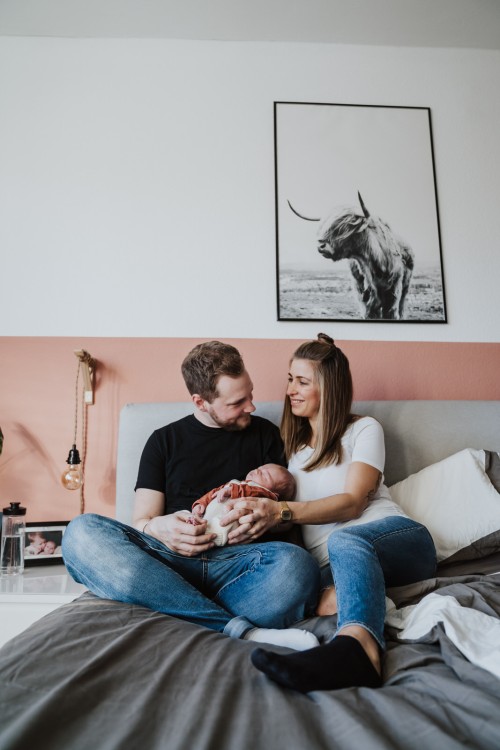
101	674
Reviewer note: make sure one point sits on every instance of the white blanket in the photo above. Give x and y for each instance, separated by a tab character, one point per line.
475	634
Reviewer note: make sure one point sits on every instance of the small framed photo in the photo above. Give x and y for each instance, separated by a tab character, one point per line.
43	542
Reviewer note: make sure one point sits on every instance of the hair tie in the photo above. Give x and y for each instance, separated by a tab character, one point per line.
325	339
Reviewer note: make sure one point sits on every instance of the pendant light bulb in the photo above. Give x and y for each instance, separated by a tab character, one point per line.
72	476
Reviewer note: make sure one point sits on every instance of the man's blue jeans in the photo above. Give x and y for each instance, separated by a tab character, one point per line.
229	589
366	558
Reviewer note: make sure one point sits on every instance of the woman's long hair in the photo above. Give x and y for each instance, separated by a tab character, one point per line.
333	376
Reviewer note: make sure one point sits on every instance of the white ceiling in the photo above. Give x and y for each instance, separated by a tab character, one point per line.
421	23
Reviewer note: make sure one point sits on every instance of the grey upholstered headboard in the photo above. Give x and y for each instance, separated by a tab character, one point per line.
417	433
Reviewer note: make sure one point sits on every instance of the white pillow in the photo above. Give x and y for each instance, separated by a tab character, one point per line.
455	499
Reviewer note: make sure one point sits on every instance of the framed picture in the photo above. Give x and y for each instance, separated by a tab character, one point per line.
42	542
357	222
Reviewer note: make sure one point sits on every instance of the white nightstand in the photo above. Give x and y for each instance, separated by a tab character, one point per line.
35	593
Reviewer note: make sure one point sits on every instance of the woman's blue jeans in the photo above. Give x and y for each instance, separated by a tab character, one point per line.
365	559
229	589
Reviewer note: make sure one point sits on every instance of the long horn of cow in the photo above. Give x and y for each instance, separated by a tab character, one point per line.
300	215
365	210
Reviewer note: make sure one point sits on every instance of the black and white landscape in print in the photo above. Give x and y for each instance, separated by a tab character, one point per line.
357	224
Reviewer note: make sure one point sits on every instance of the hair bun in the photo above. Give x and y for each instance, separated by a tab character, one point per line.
325	339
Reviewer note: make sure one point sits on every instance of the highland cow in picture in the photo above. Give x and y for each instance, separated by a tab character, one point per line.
381	263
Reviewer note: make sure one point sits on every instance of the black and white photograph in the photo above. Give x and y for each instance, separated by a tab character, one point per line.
357	221
42	542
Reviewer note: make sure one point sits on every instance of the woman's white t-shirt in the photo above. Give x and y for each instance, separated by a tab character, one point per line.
362	441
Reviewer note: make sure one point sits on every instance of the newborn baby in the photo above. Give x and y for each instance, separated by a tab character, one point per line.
271	480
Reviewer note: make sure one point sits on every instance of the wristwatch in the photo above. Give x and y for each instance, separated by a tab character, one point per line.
285	513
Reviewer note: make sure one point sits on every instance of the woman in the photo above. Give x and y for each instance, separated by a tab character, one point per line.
349	522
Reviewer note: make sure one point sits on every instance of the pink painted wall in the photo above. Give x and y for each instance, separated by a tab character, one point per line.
37	379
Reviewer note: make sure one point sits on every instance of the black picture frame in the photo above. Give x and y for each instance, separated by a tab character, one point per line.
51	531
358	181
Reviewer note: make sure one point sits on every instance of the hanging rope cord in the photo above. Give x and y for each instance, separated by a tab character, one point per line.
84	450
84	431
76	399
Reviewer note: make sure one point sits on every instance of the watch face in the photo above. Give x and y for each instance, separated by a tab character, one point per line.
286	515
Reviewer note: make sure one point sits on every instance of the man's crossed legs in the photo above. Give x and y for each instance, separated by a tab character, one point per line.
245	591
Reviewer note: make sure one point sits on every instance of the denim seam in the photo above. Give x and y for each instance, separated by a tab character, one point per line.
235	580
233	557
238	578
411	529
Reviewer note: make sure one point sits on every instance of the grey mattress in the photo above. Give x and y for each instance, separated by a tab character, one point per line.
106	675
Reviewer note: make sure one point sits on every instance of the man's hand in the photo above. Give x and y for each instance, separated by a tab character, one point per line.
255	516
181	536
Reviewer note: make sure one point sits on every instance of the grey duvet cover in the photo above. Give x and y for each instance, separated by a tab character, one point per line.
105	675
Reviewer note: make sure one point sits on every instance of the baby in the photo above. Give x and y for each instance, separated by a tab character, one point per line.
50	547
271	480
36	544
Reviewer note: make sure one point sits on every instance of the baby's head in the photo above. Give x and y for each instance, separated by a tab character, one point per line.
275	478
50	547
36	539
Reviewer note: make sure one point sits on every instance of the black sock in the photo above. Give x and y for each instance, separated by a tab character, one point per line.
342	663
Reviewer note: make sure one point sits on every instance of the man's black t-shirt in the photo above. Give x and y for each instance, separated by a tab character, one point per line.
186	458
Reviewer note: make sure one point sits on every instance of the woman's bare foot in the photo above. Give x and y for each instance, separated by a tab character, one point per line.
367	641
327	604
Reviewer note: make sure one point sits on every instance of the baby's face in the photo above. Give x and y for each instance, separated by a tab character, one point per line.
37	541
264	475
49	548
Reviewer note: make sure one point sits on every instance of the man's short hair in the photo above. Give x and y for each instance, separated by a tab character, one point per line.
206	363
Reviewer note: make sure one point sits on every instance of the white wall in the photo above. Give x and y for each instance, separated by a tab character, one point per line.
137	182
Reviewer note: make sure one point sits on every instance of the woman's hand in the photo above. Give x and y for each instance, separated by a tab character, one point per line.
255	516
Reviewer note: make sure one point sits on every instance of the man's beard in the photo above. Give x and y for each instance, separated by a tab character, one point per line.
240	424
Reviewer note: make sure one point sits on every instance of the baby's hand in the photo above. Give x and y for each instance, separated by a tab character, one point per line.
198	511
195	519
223	494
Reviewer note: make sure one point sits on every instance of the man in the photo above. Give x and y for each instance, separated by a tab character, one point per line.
172	566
